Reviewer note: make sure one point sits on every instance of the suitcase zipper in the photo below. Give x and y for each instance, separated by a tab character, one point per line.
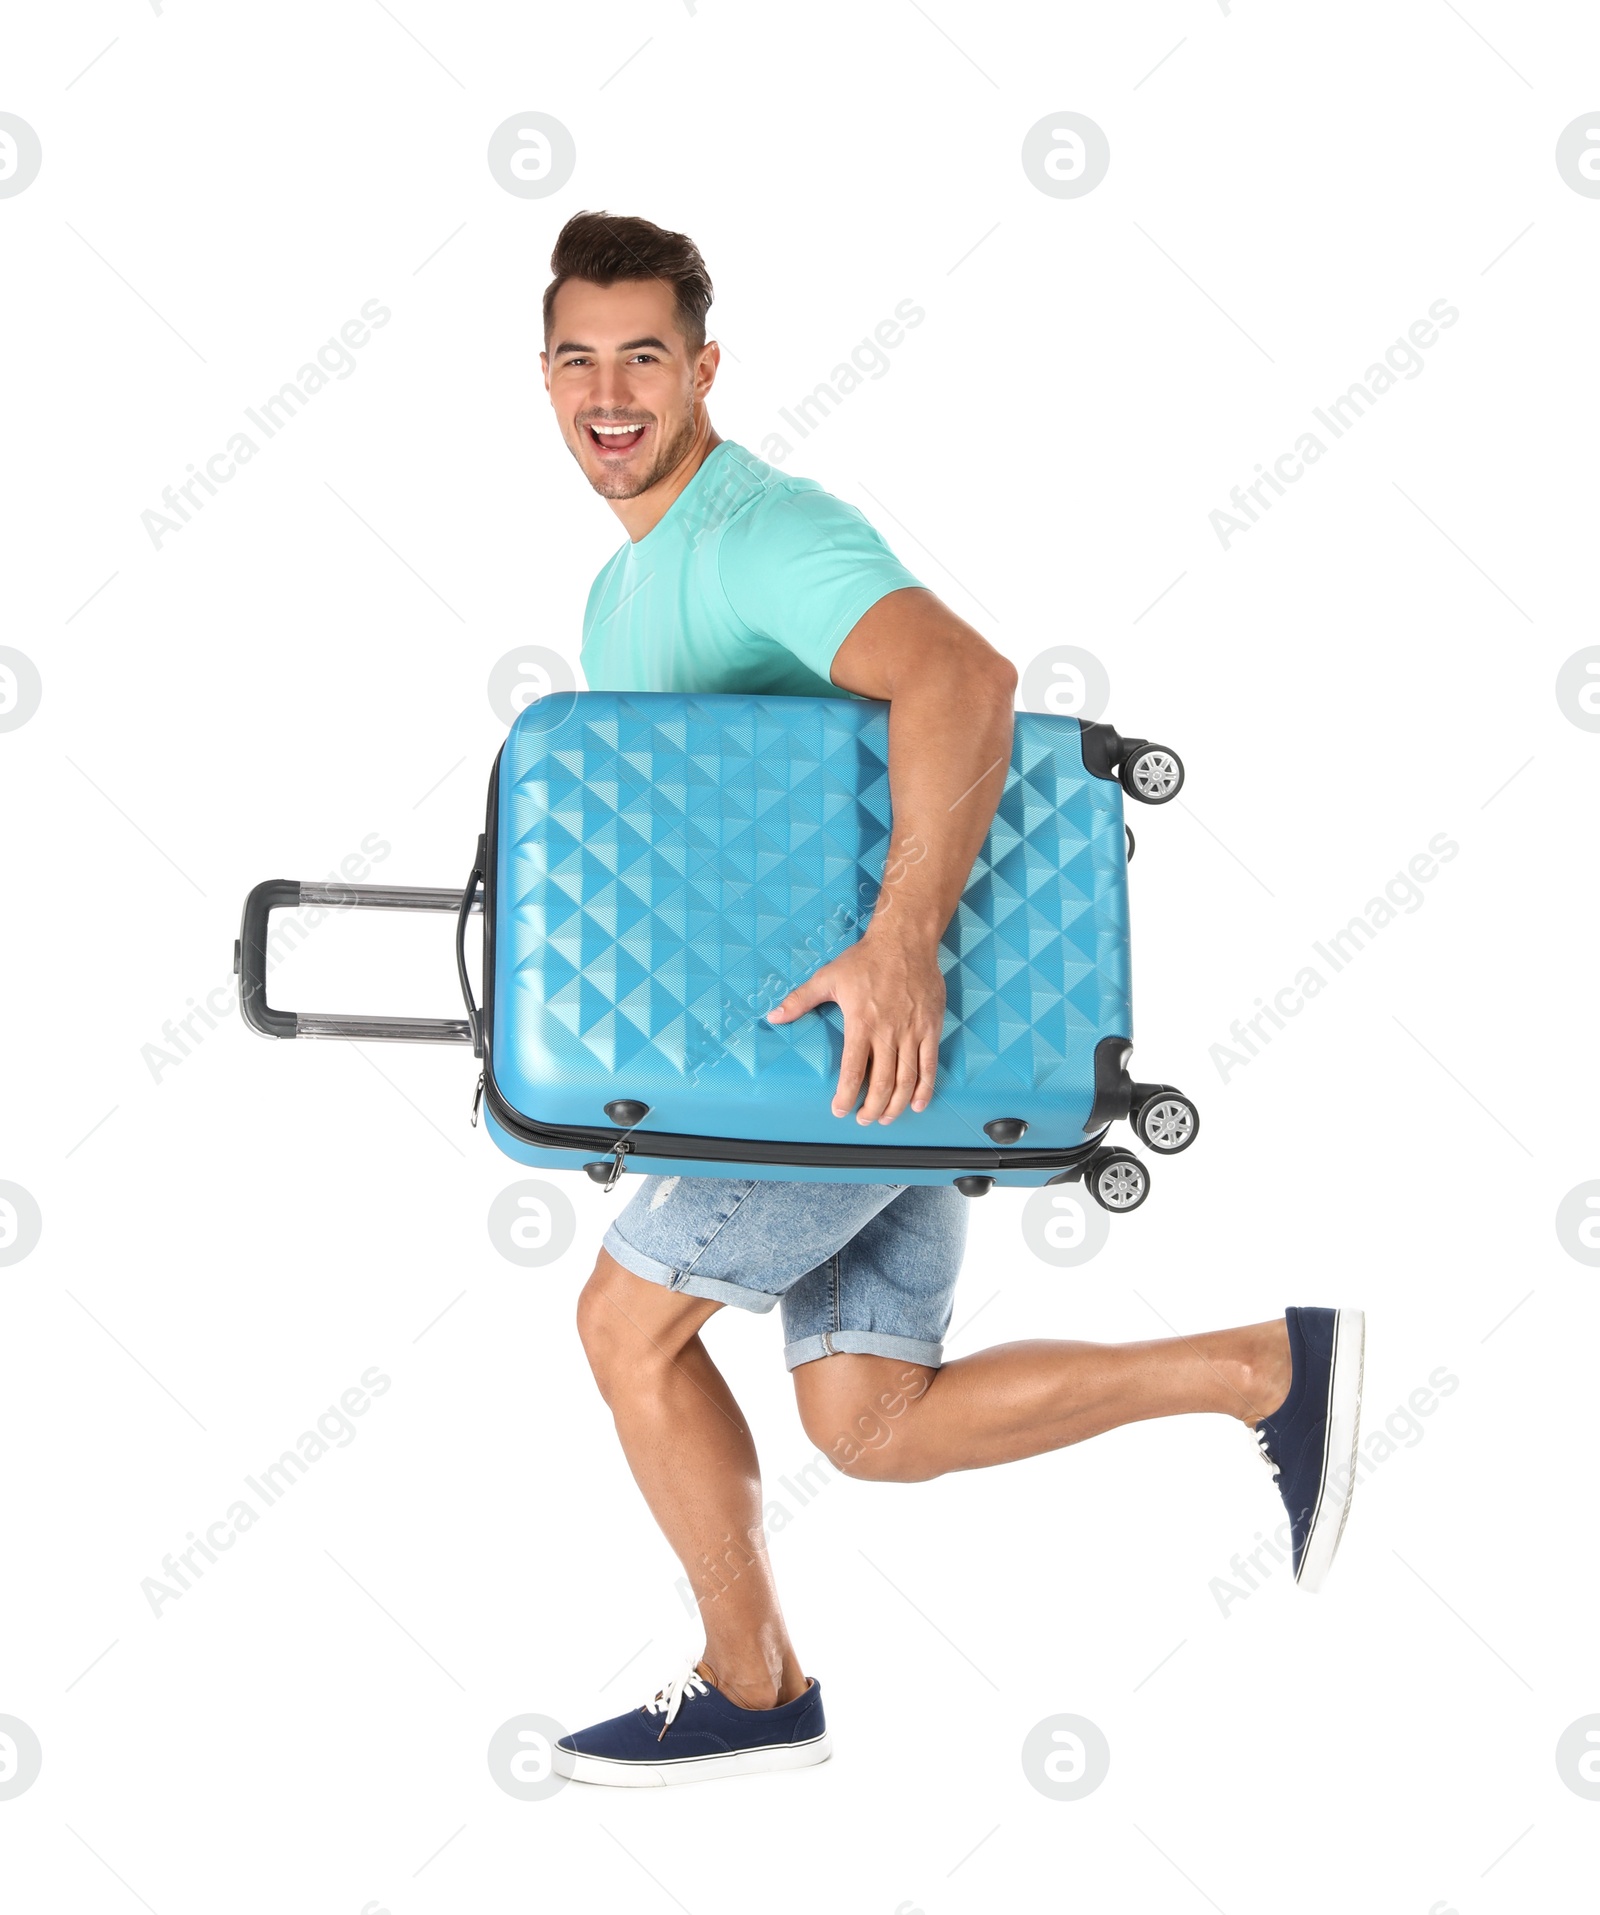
477	1099
735	1151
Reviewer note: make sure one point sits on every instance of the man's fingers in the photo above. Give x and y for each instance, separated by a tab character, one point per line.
852	1068
927	1071
888	1060
905	1079
802	998
880	1086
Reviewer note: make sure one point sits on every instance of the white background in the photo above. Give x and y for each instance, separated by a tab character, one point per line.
227	1247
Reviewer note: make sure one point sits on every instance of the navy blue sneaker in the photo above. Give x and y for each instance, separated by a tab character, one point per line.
690	1732
1311	1440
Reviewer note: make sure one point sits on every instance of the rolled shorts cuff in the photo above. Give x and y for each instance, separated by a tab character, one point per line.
686	1283
862	1343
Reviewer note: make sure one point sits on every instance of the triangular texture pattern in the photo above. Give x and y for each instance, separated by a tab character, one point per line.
670	866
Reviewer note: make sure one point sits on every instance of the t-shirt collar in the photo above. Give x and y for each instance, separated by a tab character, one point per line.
683	497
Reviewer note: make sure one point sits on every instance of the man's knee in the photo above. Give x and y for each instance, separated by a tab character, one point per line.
865	1460
632	1330
861	1448
598	1326
857	1411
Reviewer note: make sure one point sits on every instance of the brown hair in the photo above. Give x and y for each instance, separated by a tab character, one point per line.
606	247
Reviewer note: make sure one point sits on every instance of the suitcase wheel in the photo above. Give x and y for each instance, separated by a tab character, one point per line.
1152	774
1117	1180
1166	1120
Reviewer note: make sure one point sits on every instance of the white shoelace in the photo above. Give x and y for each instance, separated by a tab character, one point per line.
1266	1454
670	1697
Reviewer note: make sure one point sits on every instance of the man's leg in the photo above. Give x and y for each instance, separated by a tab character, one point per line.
691	1454
879	1417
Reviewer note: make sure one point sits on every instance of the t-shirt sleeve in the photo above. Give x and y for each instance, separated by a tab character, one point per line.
801	568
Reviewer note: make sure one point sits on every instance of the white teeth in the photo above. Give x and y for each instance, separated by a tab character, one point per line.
615	431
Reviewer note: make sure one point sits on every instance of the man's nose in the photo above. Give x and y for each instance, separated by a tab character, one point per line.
609	391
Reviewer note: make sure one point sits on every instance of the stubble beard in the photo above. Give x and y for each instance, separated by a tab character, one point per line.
624	485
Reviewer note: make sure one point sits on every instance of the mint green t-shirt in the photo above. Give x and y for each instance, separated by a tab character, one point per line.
751	582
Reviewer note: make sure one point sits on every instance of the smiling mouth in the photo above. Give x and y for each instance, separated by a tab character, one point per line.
611	441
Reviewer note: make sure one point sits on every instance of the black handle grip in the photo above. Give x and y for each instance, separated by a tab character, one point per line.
252	950
250	957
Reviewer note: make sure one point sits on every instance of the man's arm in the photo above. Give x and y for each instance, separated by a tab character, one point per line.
949	694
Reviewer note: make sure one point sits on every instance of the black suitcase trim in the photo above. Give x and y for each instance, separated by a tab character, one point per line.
620	1143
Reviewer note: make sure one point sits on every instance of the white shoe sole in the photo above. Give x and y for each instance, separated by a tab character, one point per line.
696	1768
1340	1439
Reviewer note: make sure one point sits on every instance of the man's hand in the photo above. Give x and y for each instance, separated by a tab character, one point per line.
891	992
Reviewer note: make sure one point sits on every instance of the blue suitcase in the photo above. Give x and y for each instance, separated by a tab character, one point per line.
658	870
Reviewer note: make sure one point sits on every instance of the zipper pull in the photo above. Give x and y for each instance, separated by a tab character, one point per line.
477	1099
616	1165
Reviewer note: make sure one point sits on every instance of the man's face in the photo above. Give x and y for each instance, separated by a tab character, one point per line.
617	360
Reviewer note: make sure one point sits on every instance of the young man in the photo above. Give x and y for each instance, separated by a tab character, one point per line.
739	578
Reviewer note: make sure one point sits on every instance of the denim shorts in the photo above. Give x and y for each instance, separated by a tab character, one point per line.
860	1268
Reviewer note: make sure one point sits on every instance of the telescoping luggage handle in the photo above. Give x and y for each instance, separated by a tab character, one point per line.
287	894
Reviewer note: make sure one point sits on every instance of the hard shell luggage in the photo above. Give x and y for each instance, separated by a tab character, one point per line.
658	870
